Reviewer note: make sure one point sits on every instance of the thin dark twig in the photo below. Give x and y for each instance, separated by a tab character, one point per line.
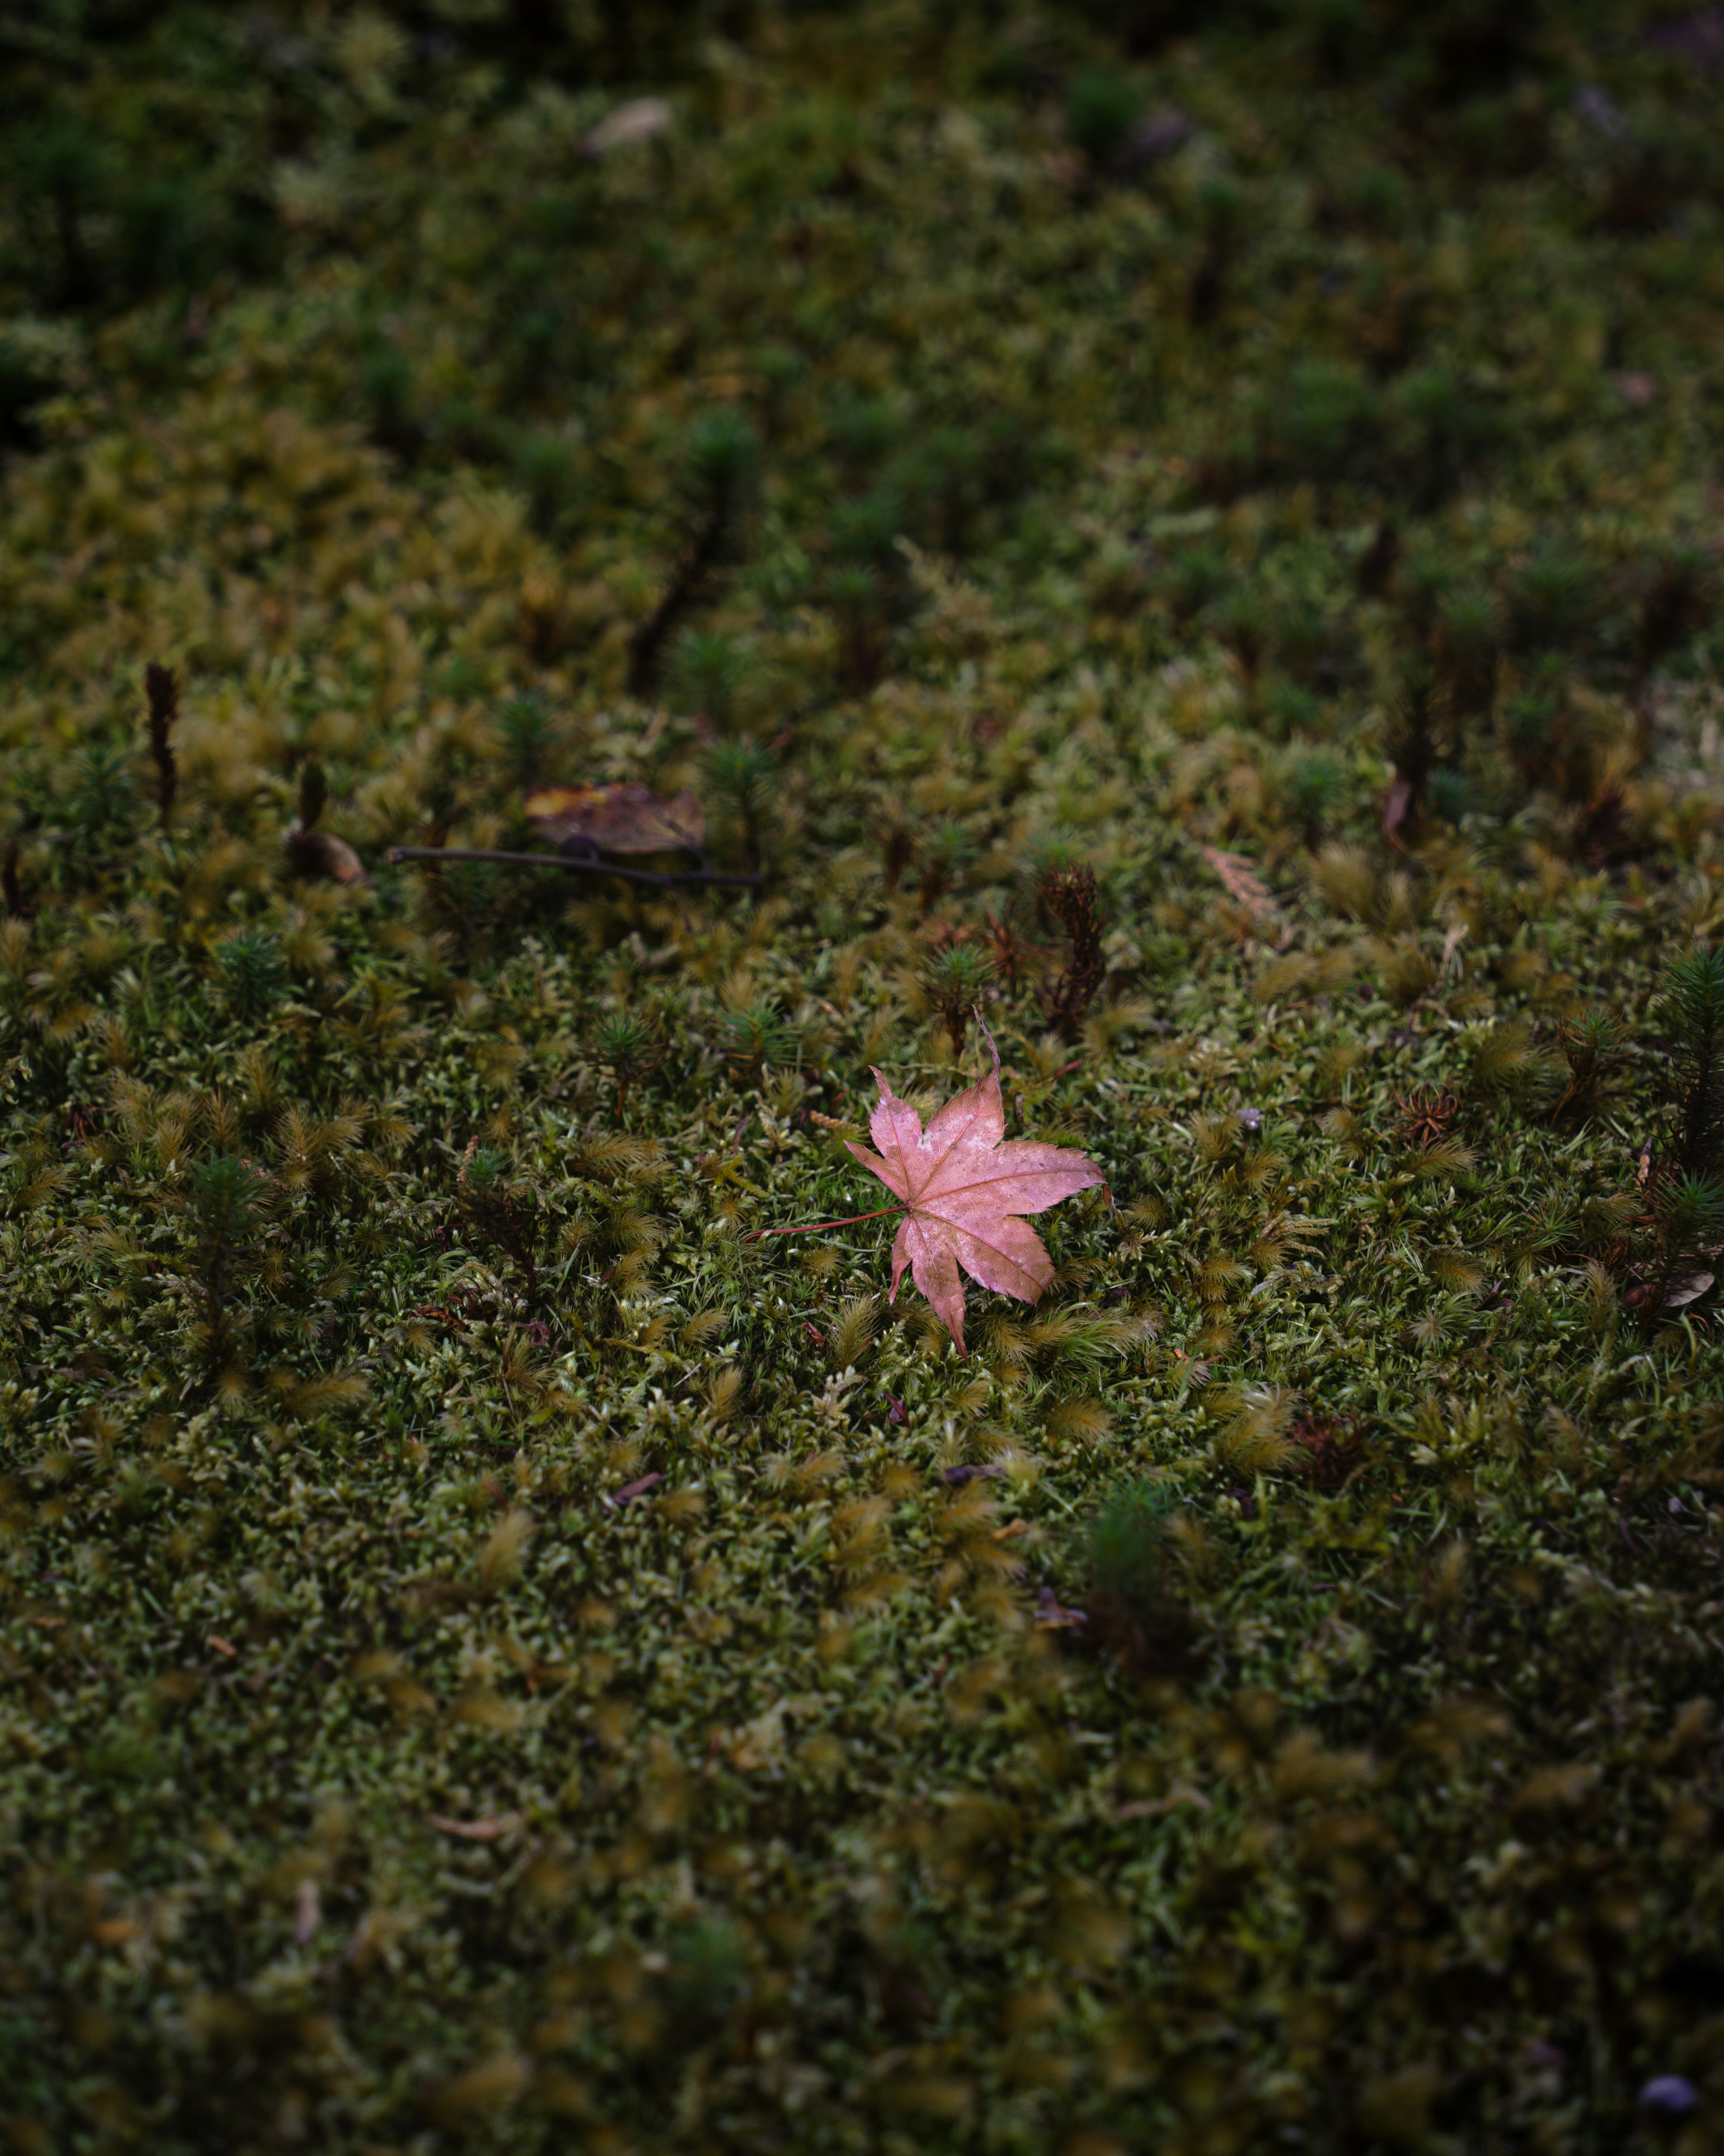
696	567
162	688
566	861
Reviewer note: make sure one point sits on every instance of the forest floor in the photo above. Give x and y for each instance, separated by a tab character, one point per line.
1200	553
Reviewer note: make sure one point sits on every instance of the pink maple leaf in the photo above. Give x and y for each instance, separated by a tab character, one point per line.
965	1186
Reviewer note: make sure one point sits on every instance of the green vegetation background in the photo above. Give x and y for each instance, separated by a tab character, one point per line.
1265	456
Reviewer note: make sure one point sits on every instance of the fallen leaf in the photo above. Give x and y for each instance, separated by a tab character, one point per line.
1049	1617
638	120
313	853
617	820
1684	1289
489	1826
630	1490
1244	884
1158	1807
965	1185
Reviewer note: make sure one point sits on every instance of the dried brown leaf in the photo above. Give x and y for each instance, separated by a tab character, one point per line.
617	819
489	1826
1245	885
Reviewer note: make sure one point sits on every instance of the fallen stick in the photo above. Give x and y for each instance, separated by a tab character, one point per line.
580	866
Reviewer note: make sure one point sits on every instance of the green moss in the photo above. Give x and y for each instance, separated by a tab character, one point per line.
499	1656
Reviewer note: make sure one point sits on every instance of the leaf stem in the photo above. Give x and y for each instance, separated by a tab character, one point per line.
810	1227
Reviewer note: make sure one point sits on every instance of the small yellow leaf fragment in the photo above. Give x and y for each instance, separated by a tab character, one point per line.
489	1826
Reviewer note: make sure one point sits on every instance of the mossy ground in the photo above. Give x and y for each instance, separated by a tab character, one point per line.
376	1776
